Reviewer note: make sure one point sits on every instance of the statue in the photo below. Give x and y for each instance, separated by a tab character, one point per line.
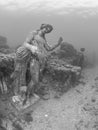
38	39
34	51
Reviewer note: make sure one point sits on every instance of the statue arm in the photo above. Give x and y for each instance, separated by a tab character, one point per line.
48	48
28	42
32	48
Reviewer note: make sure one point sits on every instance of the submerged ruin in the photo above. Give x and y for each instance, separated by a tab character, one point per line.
62	71
62	65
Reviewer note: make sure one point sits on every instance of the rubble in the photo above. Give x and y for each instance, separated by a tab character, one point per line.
61	65
61	71
62	68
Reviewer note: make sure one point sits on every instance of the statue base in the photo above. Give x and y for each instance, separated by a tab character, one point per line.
17	101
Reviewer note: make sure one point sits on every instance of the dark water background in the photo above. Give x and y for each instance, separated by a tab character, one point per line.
75	29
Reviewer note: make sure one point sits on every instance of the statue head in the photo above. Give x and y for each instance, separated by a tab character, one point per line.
47	28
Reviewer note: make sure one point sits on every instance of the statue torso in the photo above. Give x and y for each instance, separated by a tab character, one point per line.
40	42
23	53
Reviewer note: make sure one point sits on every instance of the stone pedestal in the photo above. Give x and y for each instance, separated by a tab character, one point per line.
17	101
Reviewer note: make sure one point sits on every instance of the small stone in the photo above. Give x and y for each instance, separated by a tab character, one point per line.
93	100
28	118
96	78
46	115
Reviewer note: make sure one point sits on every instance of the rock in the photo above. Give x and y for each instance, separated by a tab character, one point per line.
28	118
61	65
17	126
4	48
66	51
63	60
6	69
62	68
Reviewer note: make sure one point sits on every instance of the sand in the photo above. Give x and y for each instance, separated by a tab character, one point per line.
77	109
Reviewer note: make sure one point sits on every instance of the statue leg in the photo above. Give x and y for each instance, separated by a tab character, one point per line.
16	78
19	76
34	71
23	74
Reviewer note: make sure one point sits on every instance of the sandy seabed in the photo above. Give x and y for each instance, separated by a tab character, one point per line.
77	109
